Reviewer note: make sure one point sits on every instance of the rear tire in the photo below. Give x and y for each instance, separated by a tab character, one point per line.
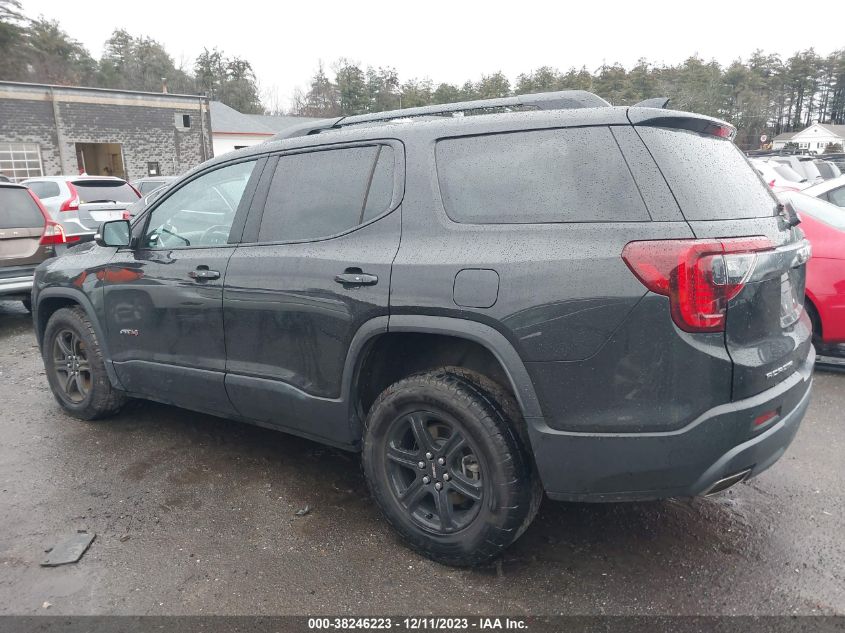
75	367
476	490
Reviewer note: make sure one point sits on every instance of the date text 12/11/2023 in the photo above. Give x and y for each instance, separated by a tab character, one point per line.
418	623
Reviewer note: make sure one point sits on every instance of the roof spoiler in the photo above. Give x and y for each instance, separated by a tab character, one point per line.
655	102
561	100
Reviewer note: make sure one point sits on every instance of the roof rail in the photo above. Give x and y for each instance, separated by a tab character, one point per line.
561	100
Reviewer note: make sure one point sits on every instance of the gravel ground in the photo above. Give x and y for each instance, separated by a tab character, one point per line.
198	515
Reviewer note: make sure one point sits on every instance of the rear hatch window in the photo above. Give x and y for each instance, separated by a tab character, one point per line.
18	210
710	177
91	191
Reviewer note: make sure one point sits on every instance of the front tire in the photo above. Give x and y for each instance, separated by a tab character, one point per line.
447	468
75	367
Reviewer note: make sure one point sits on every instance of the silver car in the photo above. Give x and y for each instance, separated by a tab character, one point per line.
81	203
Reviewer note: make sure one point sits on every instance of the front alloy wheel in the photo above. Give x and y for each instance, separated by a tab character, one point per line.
71	366
75	367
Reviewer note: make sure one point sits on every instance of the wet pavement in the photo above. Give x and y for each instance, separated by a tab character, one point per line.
198	515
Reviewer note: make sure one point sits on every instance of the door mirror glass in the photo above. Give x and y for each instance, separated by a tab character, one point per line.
114	233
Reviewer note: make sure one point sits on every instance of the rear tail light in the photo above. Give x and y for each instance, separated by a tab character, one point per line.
53	234
700	277
53	231
135	190
72	203
127	215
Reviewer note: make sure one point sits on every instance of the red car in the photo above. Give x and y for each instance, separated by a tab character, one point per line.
824	225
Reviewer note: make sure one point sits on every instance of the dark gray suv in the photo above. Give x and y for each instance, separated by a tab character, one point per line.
489	300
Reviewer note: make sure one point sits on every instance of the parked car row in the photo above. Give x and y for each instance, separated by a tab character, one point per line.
794	172
41	217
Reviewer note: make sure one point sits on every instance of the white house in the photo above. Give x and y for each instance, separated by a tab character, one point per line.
231	130
812	139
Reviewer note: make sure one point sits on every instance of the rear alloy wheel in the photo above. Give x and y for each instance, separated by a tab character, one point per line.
434	471
447	468
75	367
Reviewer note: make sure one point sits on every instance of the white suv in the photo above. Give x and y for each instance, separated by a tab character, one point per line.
81	203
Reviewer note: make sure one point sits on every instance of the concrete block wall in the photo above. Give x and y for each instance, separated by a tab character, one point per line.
143	123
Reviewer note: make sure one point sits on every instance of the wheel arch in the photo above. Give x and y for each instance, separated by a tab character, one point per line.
52	299
514	372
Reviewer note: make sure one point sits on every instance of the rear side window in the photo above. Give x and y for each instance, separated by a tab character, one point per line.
44	189
318	194
709	176
90	191
18	210
148	186
543	176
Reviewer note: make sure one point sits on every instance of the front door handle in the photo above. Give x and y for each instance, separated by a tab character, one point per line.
202	273
354	277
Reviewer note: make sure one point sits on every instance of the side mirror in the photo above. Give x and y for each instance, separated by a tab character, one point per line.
114	233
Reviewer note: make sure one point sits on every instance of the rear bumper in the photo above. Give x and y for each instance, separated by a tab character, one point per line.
683	463
16	285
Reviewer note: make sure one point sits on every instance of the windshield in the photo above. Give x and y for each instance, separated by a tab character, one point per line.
810	169
785	171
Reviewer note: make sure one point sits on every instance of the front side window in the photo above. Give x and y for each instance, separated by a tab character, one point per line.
323	193
200	213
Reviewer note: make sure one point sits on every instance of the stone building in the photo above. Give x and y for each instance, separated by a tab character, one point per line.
53	130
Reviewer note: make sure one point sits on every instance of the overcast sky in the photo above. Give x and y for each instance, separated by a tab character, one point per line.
453	41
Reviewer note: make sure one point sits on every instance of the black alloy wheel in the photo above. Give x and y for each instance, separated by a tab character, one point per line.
434	471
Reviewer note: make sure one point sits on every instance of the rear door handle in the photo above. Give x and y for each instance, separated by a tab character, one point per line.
202	273
354	277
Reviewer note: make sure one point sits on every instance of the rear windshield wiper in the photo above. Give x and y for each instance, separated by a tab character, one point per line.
99	201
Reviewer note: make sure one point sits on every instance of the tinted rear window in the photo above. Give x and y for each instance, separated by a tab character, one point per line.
44	189
18	210
318	194
542	176
109	190
710	177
